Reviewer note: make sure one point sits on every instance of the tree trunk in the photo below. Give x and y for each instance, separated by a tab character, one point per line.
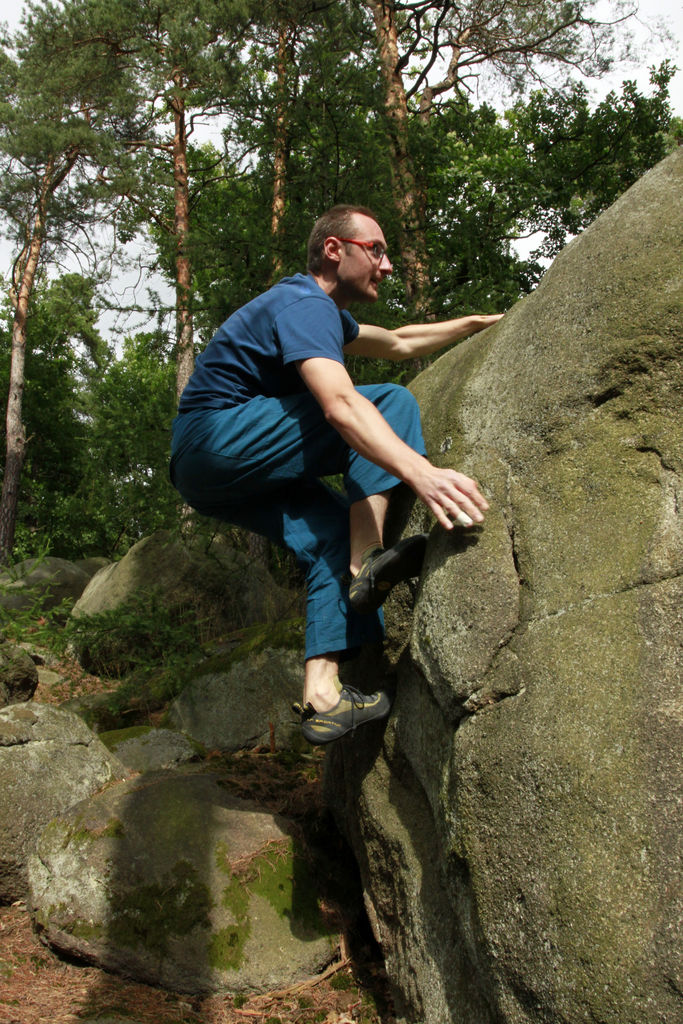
184	326
281	151
259	549
408	198
22	285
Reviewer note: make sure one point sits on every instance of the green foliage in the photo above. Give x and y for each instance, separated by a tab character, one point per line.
96	469
125	493
63	111
143	635
336	152
65	353
472	212
549	167
578	160
342	982
228	242
183	61
39	619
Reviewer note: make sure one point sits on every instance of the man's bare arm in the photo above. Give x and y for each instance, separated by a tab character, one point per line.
444	491
415	340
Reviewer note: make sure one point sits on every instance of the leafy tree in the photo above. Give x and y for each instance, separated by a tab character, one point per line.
335	150
547	168
518	41
56	120
521	43
283	30
65	353
183	58
125	493
580	160
312	41
96	470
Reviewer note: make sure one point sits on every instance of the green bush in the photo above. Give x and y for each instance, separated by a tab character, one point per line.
144	633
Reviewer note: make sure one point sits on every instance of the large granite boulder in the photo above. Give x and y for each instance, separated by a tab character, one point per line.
171	880
520	825
49	760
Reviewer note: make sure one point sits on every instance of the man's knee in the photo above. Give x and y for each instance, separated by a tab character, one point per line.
397	405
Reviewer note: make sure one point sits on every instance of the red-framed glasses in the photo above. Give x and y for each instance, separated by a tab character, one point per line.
376	249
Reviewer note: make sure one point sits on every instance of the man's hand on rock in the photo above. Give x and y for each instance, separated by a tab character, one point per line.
451	496
481	321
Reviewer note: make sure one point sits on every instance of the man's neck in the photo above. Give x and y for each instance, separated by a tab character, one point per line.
330	285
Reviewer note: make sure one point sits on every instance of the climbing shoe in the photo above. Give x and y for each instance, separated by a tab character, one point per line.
353	709
381	570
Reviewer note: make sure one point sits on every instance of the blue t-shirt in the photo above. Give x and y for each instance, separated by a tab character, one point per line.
254	351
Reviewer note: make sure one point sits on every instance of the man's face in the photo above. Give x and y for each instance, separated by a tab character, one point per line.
359	272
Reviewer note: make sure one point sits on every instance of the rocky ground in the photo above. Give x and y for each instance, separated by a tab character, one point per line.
38	987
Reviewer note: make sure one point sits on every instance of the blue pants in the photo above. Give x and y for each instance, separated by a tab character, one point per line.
258	466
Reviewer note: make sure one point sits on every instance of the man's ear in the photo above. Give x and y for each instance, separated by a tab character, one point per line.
332	249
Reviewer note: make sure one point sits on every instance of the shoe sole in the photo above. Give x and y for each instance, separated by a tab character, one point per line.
401	562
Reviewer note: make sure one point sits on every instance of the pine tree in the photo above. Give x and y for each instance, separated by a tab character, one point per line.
431	52
184	58
57	132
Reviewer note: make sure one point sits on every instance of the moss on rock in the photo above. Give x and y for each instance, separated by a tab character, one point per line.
113	737
173	880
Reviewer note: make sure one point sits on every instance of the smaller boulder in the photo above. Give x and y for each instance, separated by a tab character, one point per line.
96	710
92	565
171	880
144	749
18	675
220	582
166	584
49	760
45	582
243	699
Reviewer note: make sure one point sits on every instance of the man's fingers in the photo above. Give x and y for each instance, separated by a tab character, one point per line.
456	514
470	489
454	499
441	516
462	505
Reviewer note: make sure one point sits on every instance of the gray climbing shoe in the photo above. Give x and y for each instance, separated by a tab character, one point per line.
382	570
354	709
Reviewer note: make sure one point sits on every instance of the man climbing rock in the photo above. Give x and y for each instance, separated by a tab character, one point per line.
270	409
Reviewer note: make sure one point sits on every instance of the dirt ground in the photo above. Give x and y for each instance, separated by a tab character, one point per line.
36	987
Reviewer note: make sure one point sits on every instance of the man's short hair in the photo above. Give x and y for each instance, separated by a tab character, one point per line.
334	223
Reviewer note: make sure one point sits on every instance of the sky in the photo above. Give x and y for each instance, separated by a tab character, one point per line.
668	12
